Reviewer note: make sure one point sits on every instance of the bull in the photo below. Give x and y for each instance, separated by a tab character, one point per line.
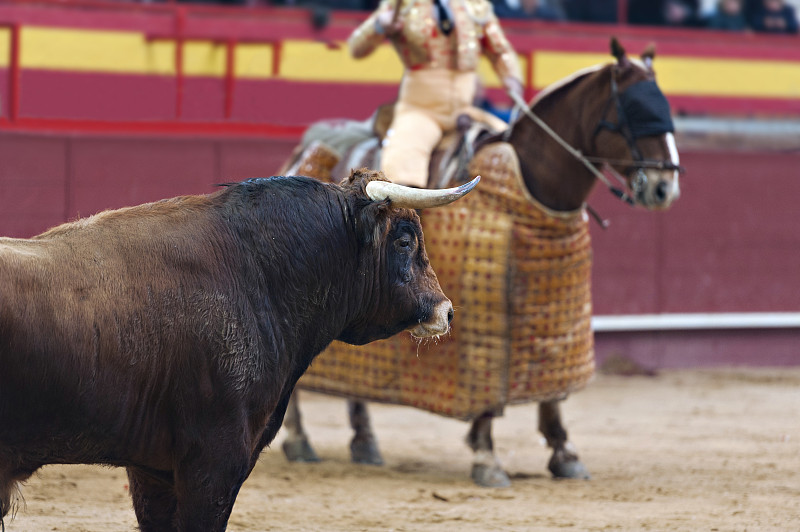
167	338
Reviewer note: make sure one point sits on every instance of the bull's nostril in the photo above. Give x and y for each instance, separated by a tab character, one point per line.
661	191
450	315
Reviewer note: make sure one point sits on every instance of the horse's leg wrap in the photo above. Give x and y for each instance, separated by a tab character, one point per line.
486	469
564	463
364	446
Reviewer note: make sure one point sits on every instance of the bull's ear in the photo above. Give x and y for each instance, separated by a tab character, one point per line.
373	221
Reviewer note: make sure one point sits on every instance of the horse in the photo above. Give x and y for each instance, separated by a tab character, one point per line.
605	122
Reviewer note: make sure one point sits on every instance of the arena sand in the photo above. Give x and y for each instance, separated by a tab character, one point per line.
688	450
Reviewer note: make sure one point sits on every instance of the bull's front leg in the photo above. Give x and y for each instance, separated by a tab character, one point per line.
565	462
364	445
154	500
296	446
486	468
207	482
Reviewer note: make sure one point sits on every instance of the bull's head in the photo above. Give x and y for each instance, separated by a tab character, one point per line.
408	293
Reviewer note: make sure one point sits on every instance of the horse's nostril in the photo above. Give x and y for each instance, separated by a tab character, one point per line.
450	314
661	191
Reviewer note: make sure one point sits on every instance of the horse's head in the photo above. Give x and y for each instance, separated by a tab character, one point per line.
634	135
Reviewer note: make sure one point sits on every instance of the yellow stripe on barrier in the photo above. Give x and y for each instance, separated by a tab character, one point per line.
95	51
314	61
5	46
253	61
728	77
131	53
489	77
689	76
551	66
127	52
204	58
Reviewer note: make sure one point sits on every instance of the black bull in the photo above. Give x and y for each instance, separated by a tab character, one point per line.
167	338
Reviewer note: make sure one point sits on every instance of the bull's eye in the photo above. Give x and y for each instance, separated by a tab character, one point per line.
404	244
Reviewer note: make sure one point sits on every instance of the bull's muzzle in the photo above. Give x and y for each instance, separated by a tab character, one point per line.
439	323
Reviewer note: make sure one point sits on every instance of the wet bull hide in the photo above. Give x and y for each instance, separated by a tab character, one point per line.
167	338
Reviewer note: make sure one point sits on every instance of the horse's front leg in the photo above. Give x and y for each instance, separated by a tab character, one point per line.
486	469
296	446
364	445
565	462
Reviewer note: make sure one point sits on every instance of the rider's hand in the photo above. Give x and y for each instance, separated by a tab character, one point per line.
385	25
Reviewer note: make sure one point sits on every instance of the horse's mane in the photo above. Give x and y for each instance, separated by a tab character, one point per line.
558	87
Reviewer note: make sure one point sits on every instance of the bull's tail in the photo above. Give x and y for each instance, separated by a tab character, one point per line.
11	500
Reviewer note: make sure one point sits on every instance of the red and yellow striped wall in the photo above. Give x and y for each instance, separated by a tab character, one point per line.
302	60
105	104
269	66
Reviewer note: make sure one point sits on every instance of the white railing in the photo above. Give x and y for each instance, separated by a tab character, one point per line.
710	321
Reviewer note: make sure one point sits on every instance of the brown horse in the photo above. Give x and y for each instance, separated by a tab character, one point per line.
611	117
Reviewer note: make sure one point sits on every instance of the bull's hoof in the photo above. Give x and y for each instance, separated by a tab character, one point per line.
365	452
569	469
490	476
299	451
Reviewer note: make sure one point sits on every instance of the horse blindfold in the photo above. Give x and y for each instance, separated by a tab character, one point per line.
646	110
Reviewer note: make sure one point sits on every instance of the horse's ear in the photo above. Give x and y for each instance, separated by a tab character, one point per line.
618	52
648	55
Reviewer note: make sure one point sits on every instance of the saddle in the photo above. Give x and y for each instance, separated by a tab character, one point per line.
330	148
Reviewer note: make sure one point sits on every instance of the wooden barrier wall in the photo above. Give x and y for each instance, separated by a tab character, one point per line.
729	244
106	105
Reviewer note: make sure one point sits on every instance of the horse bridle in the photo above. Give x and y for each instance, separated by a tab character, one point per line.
622	127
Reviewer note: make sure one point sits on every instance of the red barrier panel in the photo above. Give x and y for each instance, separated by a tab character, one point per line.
76	142
729	244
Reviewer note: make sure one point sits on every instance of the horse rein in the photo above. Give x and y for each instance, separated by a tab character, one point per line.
520	104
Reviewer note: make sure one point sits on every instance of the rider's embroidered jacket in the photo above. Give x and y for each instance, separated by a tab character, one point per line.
421	44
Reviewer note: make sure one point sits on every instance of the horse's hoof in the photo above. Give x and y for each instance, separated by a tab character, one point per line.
365	452
569	469
491	476
299	451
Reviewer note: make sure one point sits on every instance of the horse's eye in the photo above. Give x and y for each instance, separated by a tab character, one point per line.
404	242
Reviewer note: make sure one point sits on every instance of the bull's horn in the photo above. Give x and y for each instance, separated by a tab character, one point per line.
417	198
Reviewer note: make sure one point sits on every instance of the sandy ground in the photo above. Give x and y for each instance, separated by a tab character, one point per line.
690	450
